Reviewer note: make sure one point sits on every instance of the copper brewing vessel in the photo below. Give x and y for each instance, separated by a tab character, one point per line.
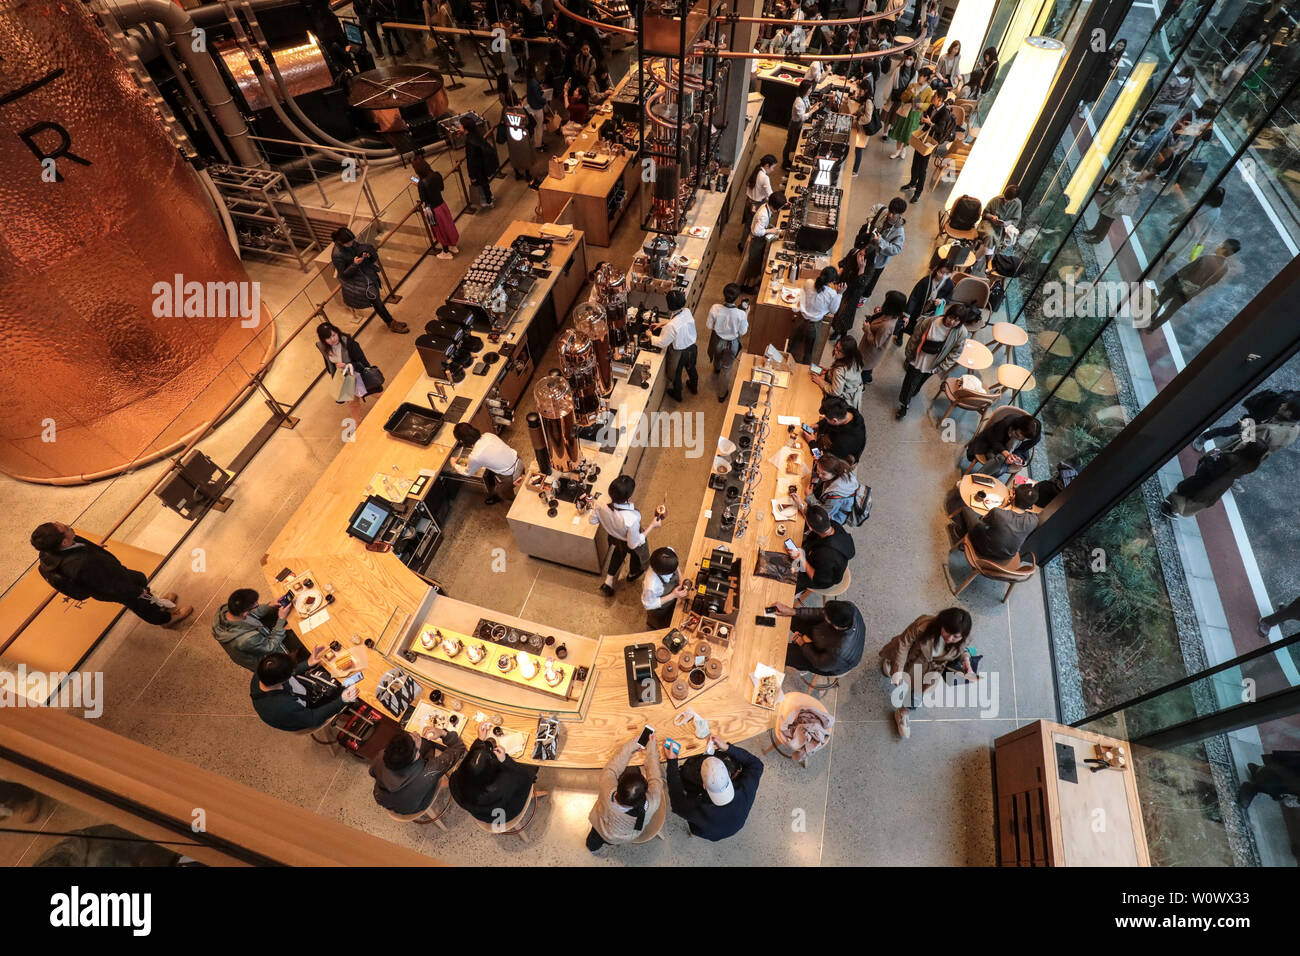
98	380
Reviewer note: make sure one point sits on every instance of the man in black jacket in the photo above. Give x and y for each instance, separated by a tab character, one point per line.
1003	530
489	785
826	552
481	160
939	123
80	569
824	640
723	808
841	432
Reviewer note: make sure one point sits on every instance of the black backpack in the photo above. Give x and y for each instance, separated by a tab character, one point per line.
861	507
966	213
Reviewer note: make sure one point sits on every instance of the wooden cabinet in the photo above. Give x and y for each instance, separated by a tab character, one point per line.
1054	810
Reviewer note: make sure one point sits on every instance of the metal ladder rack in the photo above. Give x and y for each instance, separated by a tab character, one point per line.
251	197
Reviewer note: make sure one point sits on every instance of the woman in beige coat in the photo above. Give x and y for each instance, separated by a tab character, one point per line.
928	644
878	328
628	798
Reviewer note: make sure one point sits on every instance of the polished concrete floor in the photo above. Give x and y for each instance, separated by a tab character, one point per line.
869	798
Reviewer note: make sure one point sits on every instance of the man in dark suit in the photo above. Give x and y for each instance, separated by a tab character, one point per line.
941	126
81	569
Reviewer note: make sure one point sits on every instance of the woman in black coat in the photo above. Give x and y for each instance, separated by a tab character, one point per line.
488	784
481	161
339	349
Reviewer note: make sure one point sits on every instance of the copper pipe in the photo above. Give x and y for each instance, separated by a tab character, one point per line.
593	23
892	11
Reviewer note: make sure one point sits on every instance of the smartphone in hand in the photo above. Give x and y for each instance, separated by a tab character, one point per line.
644	739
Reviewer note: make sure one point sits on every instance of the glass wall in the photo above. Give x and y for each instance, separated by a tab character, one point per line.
1172	204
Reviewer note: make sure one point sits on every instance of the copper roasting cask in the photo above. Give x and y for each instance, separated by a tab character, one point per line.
101	221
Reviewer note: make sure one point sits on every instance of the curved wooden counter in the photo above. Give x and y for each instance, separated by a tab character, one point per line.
377	596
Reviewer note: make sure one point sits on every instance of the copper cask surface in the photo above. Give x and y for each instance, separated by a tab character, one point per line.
98	209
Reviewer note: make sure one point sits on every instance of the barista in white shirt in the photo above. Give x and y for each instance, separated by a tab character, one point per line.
678	338
622	522
499	462
662	589
727	322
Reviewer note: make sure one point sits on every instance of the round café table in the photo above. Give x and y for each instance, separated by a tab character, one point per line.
1008	335
1097	379
975	356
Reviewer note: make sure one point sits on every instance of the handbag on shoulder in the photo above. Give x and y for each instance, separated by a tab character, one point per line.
373	379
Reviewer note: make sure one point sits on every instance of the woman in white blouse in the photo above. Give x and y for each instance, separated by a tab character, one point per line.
762	230
757	191
818	298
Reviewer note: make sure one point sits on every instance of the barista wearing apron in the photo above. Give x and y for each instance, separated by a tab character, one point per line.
663	586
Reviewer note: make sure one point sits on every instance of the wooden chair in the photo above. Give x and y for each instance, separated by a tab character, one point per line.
1001	413
959	397
835	590
1013	570
788	702
519	824
433	813
970	290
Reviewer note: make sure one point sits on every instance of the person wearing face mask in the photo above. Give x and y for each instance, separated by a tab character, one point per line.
357	265
930	644
882	236
630	797
933	287
934	347
662	589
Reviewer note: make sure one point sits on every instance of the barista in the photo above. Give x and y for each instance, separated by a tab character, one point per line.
662	589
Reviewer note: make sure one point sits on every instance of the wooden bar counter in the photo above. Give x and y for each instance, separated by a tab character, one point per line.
380	599
772	317
589	188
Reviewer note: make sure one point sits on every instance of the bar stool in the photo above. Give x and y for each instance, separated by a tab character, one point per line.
810	680
433	813
835	590
519	824
330	739
1008	335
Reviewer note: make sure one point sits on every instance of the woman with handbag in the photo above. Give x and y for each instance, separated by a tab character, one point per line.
915	100
344	360
862	126
436	212
357	266
948	67
931	643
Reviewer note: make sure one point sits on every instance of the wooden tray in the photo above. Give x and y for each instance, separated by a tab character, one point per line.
488	666
721	652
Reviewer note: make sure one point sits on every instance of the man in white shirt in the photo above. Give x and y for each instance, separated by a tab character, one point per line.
727	322
678	338
500	463
622	522
662	589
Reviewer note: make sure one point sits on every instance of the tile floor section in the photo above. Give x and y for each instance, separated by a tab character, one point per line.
869	798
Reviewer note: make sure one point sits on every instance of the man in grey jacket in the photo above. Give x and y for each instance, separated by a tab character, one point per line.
882	236
248	631
409	772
